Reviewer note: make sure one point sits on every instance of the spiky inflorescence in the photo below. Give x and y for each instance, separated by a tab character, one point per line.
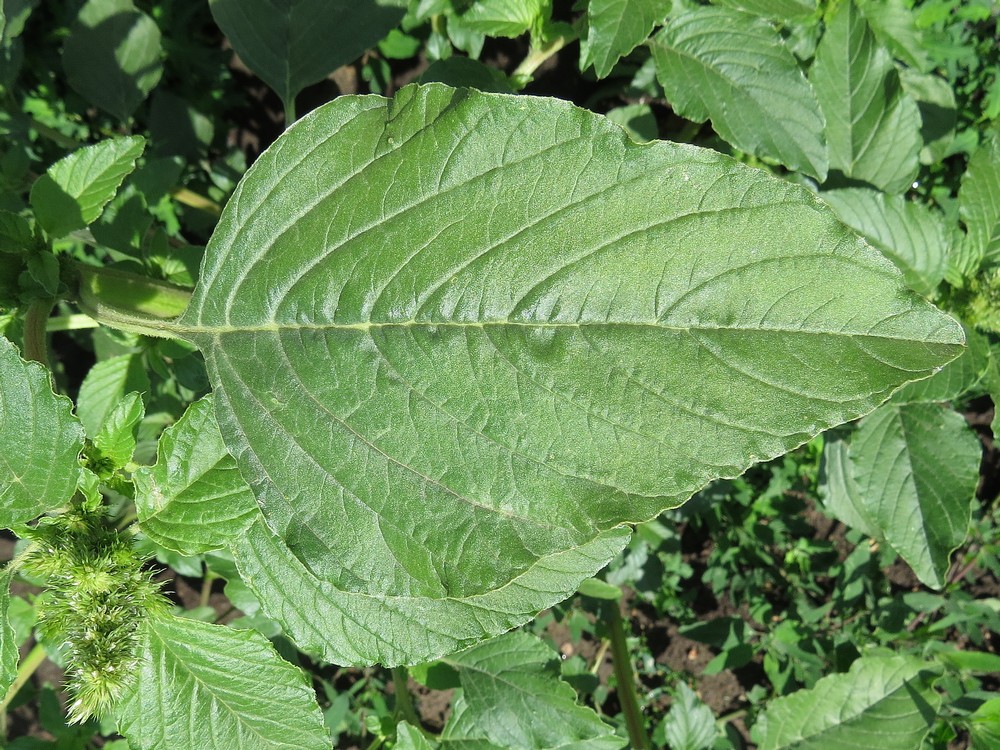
97	599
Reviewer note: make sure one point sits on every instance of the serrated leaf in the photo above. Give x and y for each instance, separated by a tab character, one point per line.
9	654
200	686
117	437
194	499
734	68
451	390
291	44
979	200
917	466
508	18
908	233
884	701
616	27
779	10
74	190
895	26
105	384
690	724
512	698
40	441
112	56
872	125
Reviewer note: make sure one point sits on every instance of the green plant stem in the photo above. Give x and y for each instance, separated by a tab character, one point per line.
54	135
36	318
196	200
75	322
625	680
130	302
524	72
289	112
404	701
25	669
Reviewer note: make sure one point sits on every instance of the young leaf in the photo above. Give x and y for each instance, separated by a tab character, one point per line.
112	55
616	27
779	10
293	43
509	18
512	697
690	725
408	738
456	335
106	384
8	642
979	200
734	68
40	441
884	701
917	467
117	436
201	686
74	190
194	499
908	233
872	125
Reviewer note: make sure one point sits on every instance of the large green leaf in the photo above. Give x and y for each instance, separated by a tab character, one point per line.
616	27
293	43
872	125
112	55
74	190
884	702
207	686
734	68
509	18
979	200
917	466
512	698
784	10
457	338
194	499
908	233
8	641
40	441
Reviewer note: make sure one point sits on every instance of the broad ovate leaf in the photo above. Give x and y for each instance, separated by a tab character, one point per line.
883	701
74	191
194	499
112	56
910	234
734	68
40	441
207	686
616	27
917	466
872	125
291	44
512	698
979	200
458	339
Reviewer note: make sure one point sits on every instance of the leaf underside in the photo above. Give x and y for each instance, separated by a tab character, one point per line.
457	335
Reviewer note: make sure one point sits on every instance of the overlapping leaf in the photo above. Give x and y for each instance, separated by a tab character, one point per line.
979	201
872	125
8	643
208	686
40	441
734	68
784	10
616	27
456	339
105	384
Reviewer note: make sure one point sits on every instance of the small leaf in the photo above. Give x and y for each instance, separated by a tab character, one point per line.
979	200
734	68
884	702
294	43
112	55
74	190
616	27
40	441
194	499
9	654
872	125
105	385
15	233
117	437
917	466
200	686
779	10
512	697
690	724
908	233
449	427
508	18
984	725
409	738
